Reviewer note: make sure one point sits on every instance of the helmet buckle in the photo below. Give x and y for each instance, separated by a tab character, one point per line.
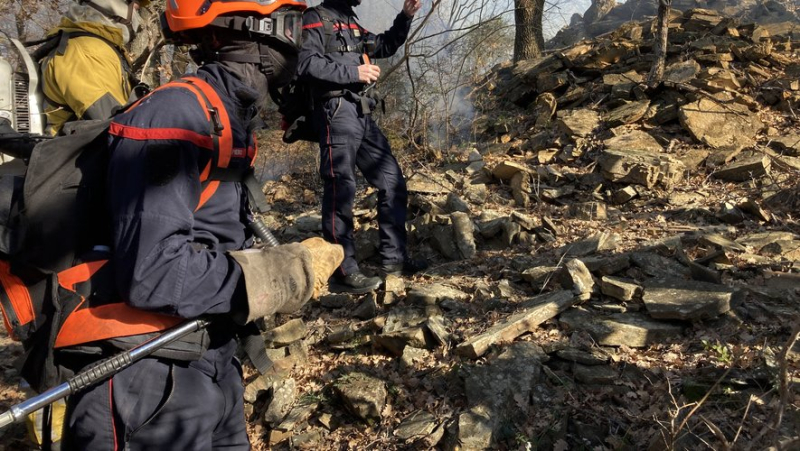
260	26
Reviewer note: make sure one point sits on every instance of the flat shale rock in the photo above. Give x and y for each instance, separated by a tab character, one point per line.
756	241
402	318
729	126
719	241
597	375
579	123
589	211
576	276
299	414
619	288
490	389
455	203
655	265
543	308
630	329
418	424
428	184
434	293
394	287
591	357
747	169
640	167
600	241
686	299
307	440
608	264
635	140
285	334
464	234
336	301
682	72
627	114
505	170
530	69
442	238
539	275
368	308
396	341
476	429
363	395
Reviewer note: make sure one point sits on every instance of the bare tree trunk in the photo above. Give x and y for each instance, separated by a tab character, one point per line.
660	45
529	37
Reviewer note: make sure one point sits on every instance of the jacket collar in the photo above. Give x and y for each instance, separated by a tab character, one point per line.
242	97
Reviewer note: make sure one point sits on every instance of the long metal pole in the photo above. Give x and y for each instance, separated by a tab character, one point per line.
98	372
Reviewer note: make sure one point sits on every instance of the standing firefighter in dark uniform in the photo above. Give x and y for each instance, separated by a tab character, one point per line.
335	61
179	246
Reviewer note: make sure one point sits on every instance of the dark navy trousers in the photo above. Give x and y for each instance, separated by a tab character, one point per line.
159	405
350	139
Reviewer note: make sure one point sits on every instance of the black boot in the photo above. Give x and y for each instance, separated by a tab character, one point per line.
355	283
407	267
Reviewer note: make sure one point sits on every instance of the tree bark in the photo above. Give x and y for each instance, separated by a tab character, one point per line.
529	37
660	44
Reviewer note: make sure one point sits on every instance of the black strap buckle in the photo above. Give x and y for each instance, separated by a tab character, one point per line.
260	26
215	121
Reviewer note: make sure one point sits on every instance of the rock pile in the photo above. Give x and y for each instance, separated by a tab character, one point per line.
545	280
604	16
724	85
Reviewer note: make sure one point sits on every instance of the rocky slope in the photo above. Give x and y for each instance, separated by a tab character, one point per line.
604	16
612	266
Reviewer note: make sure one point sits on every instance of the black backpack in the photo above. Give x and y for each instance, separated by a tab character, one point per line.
296	100
54	279
296	106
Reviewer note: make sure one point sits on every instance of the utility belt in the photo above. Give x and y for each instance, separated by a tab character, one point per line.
363	98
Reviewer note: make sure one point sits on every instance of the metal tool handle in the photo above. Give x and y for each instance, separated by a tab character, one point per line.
98	372
262	232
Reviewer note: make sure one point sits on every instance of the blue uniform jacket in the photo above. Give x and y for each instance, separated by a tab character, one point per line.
168	257
339	70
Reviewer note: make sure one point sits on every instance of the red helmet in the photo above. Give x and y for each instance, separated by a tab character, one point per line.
279	19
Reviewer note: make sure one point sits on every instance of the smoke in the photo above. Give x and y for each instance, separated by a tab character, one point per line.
444	74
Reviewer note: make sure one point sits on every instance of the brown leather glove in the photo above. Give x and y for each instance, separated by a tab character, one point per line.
325	257
282	279
277	279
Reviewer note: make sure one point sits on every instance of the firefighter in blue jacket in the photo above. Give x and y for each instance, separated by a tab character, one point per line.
178	245
341	74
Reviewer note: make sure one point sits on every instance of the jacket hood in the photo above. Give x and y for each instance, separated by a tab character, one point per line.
85	18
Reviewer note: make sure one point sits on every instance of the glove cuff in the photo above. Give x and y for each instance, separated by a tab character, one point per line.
277	280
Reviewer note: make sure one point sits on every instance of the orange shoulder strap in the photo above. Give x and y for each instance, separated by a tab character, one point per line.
219	130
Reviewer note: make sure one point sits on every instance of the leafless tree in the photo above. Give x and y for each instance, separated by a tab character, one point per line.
529	37
660	45
448	49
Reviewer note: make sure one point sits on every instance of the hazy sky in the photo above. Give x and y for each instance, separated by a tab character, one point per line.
377	15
